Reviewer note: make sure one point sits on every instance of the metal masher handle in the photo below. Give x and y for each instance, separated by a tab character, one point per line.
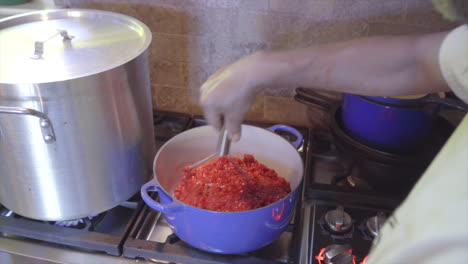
223	143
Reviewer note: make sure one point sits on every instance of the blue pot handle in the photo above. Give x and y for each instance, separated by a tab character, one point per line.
165	208
447	102
292	130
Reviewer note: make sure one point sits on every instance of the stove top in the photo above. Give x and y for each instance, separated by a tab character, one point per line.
338	176
340	231
335	221
135	233
152	239
101	233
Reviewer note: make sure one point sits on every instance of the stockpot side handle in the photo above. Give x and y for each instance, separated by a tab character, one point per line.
47	129
299	138
164	208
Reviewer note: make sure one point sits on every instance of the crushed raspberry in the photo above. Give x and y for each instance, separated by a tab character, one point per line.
221	186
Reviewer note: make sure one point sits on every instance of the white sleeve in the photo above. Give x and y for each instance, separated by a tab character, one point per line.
431	225
453	61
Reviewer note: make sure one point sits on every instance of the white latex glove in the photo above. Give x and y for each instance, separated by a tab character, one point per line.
229	93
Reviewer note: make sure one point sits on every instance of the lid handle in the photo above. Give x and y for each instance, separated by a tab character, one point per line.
39	45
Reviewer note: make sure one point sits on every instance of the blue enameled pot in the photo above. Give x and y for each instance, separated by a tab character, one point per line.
385	123
225	232
392	128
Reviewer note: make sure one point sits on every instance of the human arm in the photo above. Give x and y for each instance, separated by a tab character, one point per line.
378	66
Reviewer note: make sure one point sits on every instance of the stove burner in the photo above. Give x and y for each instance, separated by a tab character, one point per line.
322	146
104	232
5	212
74	223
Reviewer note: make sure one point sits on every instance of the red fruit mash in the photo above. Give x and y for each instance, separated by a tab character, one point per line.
220	185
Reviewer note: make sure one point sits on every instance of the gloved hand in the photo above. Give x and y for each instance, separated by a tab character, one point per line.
229	93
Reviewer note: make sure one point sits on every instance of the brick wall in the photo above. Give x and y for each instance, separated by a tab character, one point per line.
192	38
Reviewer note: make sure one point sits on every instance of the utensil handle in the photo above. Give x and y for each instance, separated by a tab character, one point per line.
447	102
47	129
298	142
165	208
309	97
223	143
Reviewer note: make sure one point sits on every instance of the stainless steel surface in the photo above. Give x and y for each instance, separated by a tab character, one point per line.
15	251
374	223
102	41
151	229
338	220
161	231
9	258
102	122
304	253
47	129
148	226
223	143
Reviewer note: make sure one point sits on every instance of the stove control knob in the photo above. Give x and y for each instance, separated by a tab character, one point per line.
338	220
338	254
374	223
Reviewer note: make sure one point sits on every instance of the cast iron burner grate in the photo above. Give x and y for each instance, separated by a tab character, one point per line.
86	222
82	223
105	232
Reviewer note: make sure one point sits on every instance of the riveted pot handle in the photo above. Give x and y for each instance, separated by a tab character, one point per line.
165	208
47	129
298	142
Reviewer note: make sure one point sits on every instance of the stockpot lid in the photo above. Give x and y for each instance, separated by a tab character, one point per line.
57	45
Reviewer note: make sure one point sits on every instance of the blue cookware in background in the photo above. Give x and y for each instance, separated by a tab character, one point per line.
387	172
391	128
422	101
385	123
397	125
226	232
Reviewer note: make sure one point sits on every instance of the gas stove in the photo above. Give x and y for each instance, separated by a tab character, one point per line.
343	211
343	234
152	239
336	220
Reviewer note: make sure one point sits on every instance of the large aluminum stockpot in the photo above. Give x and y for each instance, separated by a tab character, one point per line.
75	112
